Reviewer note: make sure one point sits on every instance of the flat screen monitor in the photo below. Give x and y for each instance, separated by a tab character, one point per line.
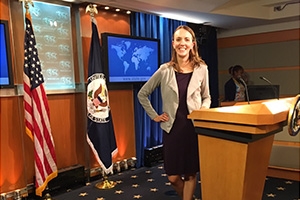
129	59
6	76
261	92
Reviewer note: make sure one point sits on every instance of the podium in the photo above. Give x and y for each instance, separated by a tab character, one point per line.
235	144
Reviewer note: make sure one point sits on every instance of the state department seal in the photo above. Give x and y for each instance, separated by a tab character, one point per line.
97	99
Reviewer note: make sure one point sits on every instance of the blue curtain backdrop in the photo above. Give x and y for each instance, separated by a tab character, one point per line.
148	132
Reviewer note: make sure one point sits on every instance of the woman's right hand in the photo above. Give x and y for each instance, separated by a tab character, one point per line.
162	118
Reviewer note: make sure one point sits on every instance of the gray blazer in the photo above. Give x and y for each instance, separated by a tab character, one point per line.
198	95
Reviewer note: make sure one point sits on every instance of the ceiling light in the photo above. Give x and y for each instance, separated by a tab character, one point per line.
128	12
182	17
106	8
3	196
117	9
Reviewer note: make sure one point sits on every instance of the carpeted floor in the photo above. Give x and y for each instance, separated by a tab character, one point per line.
152	184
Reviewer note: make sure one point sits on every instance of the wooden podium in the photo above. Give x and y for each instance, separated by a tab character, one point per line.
235	144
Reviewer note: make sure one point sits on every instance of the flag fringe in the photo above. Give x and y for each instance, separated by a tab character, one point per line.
29	133
39	190
97	157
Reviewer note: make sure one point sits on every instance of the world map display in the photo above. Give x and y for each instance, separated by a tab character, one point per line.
131	59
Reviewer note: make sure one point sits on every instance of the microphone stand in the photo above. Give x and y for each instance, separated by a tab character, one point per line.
246	89
273	88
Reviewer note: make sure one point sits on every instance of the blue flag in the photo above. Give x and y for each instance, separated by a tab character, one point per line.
100	129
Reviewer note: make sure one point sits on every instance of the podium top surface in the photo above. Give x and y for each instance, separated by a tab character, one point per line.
266	112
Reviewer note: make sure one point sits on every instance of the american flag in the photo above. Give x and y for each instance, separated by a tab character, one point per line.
36	107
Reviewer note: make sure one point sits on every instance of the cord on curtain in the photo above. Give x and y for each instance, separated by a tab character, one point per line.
147	132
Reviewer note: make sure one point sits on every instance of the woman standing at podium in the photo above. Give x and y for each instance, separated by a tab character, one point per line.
234	87
184	87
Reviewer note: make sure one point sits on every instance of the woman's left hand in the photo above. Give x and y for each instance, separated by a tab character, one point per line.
162	118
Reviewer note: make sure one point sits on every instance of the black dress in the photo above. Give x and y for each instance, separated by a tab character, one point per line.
181	144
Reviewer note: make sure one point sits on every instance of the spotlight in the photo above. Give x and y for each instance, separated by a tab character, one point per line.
131	162
116	167
3	196
47	197
128	12
117	10
7	196
123	164
17	195
101	171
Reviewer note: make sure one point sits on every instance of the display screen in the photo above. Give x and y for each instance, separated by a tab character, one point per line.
261	92
129	59
52	26
6	77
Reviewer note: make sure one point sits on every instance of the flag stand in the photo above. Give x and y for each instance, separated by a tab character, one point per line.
48	197
105	184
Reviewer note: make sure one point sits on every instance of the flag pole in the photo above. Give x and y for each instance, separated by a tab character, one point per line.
105	184
27	14
26	5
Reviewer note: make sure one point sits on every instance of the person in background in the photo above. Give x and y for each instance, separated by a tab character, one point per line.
234	88
184	87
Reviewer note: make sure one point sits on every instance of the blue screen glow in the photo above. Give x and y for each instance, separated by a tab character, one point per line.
4	73
131	59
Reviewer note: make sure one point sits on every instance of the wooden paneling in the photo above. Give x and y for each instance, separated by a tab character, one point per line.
4	11
17	34
284	173
68	122
12	161
261	38
233	170
122	107
105	23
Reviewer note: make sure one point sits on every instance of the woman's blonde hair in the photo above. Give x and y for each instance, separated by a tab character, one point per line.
194	57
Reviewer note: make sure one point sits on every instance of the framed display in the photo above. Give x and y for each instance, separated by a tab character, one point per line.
129	59
6	72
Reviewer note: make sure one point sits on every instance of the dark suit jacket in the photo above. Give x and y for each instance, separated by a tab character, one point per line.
230	90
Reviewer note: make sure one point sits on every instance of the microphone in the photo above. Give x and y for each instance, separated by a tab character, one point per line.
246	88
273	88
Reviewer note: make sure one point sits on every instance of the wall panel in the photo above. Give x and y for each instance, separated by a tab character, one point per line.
277	59
259	38
12	160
